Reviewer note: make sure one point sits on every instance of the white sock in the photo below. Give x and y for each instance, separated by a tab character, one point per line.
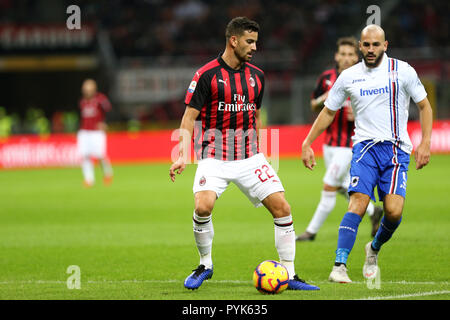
87	167
106	166
285	242
325	206
203	234
370	209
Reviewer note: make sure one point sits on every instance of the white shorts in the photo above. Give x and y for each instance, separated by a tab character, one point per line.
337	162
91	143
254	176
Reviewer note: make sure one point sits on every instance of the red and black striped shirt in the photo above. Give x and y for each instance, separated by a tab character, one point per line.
340	131
227	100
93	111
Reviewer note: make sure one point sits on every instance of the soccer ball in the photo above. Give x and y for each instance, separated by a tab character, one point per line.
270	277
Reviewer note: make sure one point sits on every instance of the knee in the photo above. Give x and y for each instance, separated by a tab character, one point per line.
204	203
393	207
281	210
203	210
393	212
358	203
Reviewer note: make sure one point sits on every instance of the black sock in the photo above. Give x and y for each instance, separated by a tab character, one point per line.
337	264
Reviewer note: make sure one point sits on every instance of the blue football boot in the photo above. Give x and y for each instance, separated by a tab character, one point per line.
299	284
196	278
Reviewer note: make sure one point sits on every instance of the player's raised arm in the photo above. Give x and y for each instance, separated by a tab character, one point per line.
186	130
322	122
422	153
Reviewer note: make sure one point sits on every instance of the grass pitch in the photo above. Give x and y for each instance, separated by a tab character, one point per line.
133	239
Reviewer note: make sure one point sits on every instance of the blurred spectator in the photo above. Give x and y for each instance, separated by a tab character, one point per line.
64	121
5	124
36	122
183	27
295	38
70	121
133	125
58	122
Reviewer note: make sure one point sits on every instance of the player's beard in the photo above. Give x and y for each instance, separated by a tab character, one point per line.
242	55
375	63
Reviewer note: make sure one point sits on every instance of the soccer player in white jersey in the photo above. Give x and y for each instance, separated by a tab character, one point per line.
380	89
337	148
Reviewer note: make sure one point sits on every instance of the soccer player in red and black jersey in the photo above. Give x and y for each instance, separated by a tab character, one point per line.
337	148
225	98
91	138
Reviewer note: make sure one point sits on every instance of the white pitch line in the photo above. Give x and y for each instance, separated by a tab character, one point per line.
403	282
397	282
410	295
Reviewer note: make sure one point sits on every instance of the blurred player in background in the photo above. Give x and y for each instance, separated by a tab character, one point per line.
226	95
91	138
337	149
380	89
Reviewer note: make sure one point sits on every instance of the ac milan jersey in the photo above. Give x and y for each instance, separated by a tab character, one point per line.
227	100
340	131
93	111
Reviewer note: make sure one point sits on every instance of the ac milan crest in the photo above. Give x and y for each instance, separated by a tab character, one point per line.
202	181
251	81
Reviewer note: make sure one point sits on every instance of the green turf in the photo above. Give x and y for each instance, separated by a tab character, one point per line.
133	239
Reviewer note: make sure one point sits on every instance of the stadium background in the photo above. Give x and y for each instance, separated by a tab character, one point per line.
143	54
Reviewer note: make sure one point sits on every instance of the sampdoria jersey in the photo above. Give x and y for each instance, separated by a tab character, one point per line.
340	131
380	99
93	111
227	100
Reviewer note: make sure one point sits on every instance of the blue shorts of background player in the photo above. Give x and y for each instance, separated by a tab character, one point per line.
380	164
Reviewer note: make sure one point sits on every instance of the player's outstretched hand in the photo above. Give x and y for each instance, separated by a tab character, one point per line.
308	157
422	156
178	167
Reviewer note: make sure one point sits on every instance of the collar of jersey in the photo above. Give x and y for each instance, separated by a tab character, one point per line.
224	64
382	65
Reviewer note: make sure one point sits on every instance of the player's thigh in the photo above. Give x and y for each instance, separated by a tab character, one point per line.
209	177
338	166
256	178
327	154
277	205
99	144
395	175
83	143
364	173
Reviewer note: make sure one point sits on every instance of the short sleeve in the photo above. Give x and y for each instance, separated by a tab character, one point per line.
414	86
337	95
198	91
